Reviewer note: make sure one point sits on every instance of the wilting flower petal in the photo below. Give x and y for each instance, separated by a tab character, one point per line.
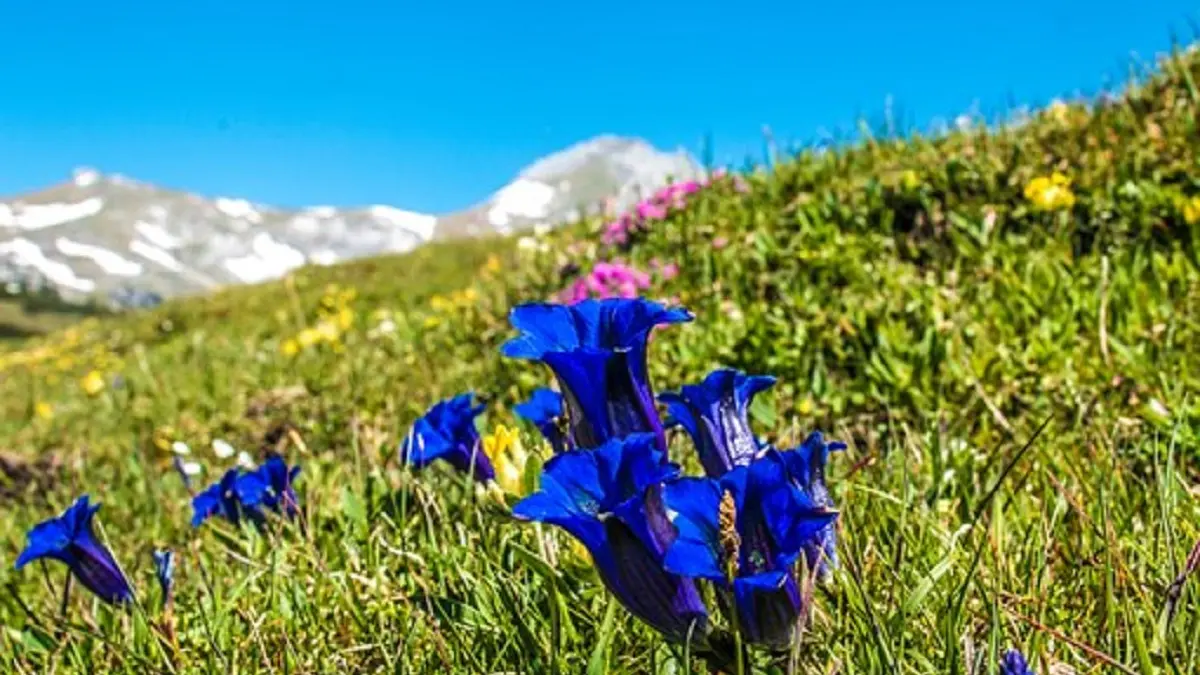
715	414
597	351
806	467
773	520
447	432
544	409
605	499
71	539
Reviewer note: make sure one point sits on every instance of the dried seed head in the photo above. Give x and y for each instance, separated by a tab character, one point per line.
730	541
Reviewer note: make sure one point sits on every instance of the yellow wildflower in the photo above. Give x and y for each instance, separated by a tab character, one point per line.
1190	210
307	337
492	266
1050	193
503	447
439	303
92	383
328	331
162	438
910	180
432	321
345	318
289	347
43	410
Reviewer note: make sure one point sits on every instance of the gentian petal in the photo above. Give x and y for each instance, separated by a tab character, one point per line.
696	551
669	603
769	606
715	414
607	499
1014	664
545	409
447	432
47	539
164	571
787	512
806	466
70	538
597	350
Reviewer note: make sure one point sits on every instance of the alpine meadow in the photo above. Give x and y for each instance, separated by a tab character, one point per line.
918	405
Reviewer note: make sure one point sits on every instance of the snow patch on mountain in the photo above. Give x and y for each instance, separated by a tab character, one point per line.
269	259
39	216
109	261
523	198
155	254
25	253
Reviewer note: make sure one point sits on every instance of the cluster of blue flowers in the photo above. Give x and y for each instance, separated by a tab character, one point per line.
654	535
71	537
758	527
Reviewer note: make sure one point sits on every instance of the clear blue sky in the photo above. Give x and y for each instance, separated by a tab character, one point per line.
432	105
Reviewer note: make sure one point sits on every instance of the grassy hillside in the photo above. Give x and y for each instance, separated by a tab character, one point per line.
932	302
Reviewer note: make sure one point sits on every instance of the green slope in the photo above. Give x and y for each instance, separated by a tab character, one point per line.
909	294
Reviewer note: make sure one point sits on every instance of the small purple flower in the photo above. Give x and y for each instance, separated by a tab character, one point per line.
71	539
1014	664
597	351
609	498
164	570
270	485
447	432
224	499
715	414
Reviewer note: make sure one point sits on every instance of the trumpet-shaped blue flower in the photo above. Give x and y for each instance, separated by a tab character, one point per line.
715	414
743	532
609	499
71	539
447	432
244	494
270	485
1014	664
806	467
230	498
164	570
597	351
544	409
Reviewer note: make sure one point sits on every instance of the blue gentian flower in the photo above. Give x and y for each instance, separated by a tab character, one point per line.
715	414
447	432
271	486
609	499
597	351
544	409
806	466
223	499
71	539
1014	664
743	532
164	569
244	494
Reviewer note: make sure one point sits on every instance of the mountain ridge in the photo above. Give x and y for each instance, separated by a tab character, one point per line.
107	234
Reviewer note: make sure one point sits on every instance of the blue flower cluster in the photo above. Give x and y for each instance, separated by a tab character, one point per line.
655	535
242	495
70	538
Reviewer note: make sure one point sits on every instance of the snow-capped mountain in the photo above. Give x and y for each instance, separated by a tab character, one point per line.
106	234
